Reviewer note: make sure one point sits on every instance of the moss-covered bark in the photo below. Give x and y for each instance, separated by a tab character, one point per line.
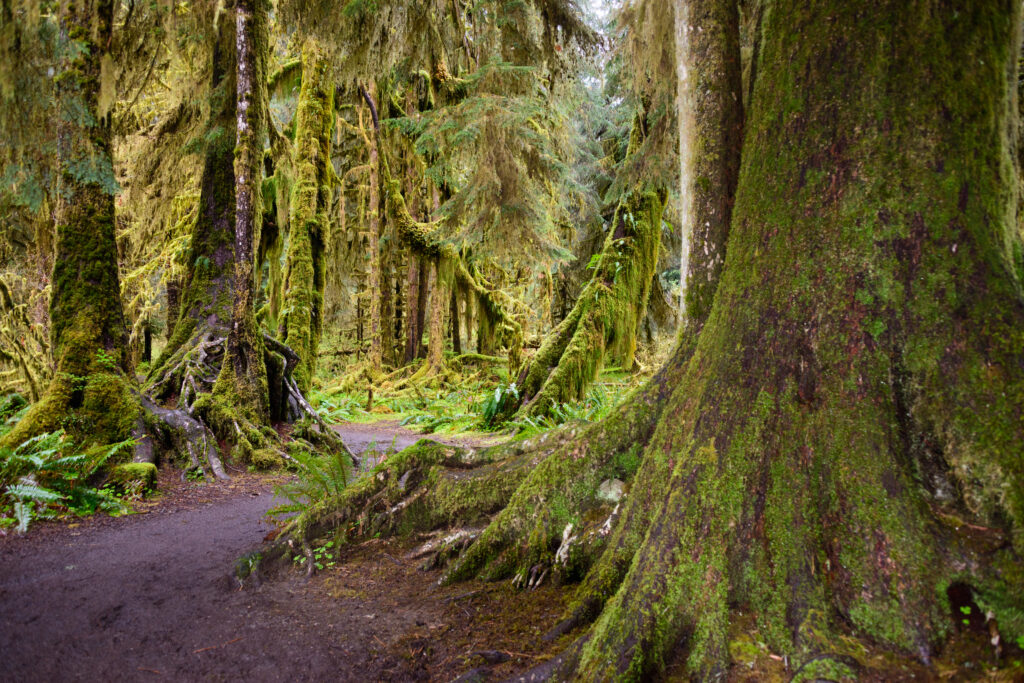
89	394
821	435
375	356
310	224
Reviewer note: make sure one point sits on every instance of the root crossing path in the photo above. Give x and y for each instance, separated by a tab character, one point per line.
151	597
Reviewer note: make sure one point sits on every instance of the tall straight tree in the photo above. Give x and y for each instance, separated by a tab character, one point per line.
840	443
244	373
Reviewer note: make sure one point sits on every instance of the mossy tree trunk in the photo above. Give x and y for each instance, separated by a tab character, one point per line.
243	375
90	390
825	431
310	223
375	355
192	358
440	292
413	318
840	443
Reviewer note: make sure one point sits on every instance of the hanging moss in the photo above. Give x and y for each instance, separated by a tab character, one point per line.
310	226
607	313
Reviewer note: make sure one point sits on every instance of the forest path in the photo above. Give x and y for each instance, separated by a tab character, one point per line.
150	596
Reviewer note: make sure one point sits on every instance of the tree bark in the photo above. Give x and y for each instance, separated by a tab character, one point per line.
440	292
309	223
710	101
820	432
244	374
412	309
454	318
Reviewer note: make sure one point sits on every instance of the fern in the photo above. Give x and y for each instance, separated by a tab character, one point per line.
320	477
46	476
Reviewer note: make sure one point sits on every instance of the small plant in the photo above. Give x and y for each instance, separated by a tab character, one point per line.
105	359
499	403
322	557
966	611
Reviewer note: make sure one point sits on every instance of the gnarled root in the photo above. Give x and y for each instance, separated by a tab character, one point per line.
181	433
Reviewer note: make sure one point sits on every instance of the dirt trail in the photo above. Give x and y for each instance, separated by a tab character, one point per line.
149	597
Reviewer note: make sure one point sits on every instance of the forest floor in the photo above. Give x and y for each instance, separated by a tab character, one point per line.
151	596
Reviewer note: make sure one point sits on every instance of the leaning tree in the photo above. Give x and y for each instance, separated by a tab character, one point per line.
839	445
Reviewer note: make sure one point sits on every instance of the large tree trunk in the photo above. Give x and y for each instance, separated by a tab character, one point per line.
90	390
309	230
192	358
828	423
840	444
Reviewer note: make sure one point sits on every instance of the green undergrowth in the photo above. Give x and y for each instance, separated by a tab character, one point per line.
50	477
471	407
468	398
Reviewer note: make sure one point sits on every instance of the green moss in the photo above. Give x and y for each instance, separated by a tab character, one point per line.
133	476
605	318
310	225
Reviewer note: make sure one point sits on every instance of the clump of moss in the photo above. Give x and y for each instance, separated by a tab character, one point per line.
133	476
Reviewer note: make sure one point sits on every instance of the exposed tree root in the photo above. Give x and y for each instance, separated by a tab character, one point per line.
181	433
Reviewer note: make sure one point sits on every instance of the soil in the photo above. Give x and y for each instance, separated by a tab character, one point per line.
152	596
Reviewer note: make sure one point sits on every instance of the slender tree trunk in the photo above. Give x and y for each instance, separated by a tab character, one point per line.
412	309
439	296
387	295
454	317
244	373
422	296
374	360
309	223
90	389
